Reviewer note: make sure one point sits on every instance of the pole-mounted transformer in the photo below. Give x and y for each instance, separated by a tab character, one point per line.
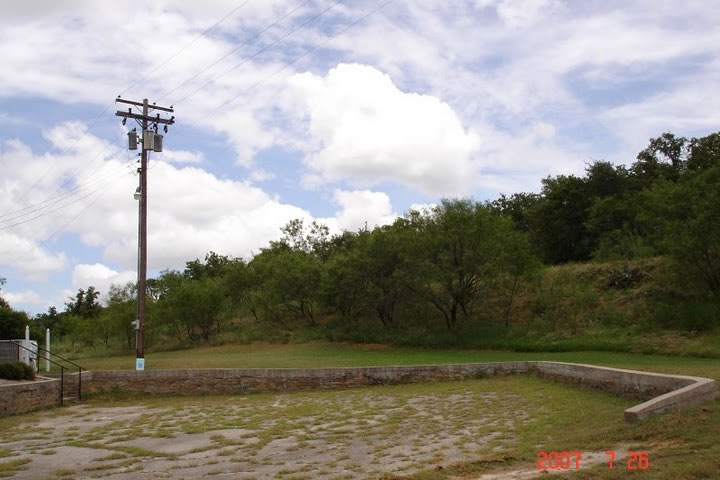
132	140
148	140
152	141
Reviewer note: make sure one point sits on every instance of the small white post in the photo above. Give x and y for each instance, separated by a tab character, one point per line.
26	344
47	350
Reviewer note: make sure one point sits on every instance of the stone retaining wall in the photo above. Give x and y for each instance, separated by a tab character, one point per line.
255	380
19	397
670	392
675	391
615	380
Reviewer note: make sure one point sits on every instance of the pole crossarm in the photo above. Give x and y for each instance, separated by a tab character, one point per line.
140	104
147	118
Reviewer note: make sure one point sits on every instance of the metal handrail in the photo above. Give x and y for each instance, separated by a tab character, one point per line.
80	369
62	371
58	356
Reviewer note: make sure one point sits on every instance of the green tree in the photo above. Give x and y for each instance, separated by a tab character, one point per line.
286	279
236	283
517	206
12	323
689	216
80	317
385	271
115	320
3	302
85	303
559	219
52	320
306	239
704	152
164	294
603	179
344	284
192	309
458	252
616	226
215	265
518	264
665	157
367	274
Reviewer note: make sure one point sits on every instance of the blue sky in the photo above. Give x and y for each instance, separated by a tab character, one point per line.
336	111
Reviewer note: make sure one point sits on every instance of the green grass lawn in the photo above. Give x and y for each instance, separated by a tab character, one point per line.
263	355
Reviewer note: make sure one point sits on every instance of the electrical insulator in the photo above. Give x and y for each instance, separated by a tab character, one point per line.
157	144
132	140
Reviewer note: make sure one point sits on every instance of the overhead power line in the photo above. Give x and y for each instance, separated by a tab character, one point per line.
236	48
225	103
213	80
41	209
80	185
57	208
98	193
96	120
53	164
178	52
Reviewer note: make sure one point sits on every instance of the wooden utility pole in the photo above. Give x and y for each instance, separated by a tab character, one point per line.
150	140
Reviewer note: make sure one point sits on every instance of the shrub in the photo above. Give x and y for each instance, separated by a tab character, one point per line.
16	371
29	372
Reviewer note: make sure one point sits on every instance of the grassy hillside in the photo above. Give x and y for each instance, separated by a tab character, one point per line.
636	306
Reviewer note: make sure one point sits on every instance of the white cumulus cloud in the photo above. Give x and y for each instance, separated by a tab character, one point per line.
28	256
369	131
26	297
190	210
182	156
99	276
363	207
521	13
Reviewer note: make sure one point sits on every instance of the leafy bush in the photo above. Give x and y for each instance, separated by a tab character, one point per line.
28	371
11	371
16	371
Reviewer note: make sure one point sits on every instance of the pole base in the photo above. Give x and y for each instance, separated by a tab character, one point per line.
139	364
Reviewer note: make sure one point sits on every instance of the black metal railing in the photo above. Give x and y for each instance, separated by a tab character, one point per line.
62	367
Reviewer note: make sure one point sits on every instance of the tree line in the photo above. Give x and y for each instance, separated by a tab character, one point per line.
456	261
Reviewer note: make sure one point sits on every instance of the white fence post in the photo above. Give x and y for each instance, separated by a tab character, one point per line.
25	354
47	350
